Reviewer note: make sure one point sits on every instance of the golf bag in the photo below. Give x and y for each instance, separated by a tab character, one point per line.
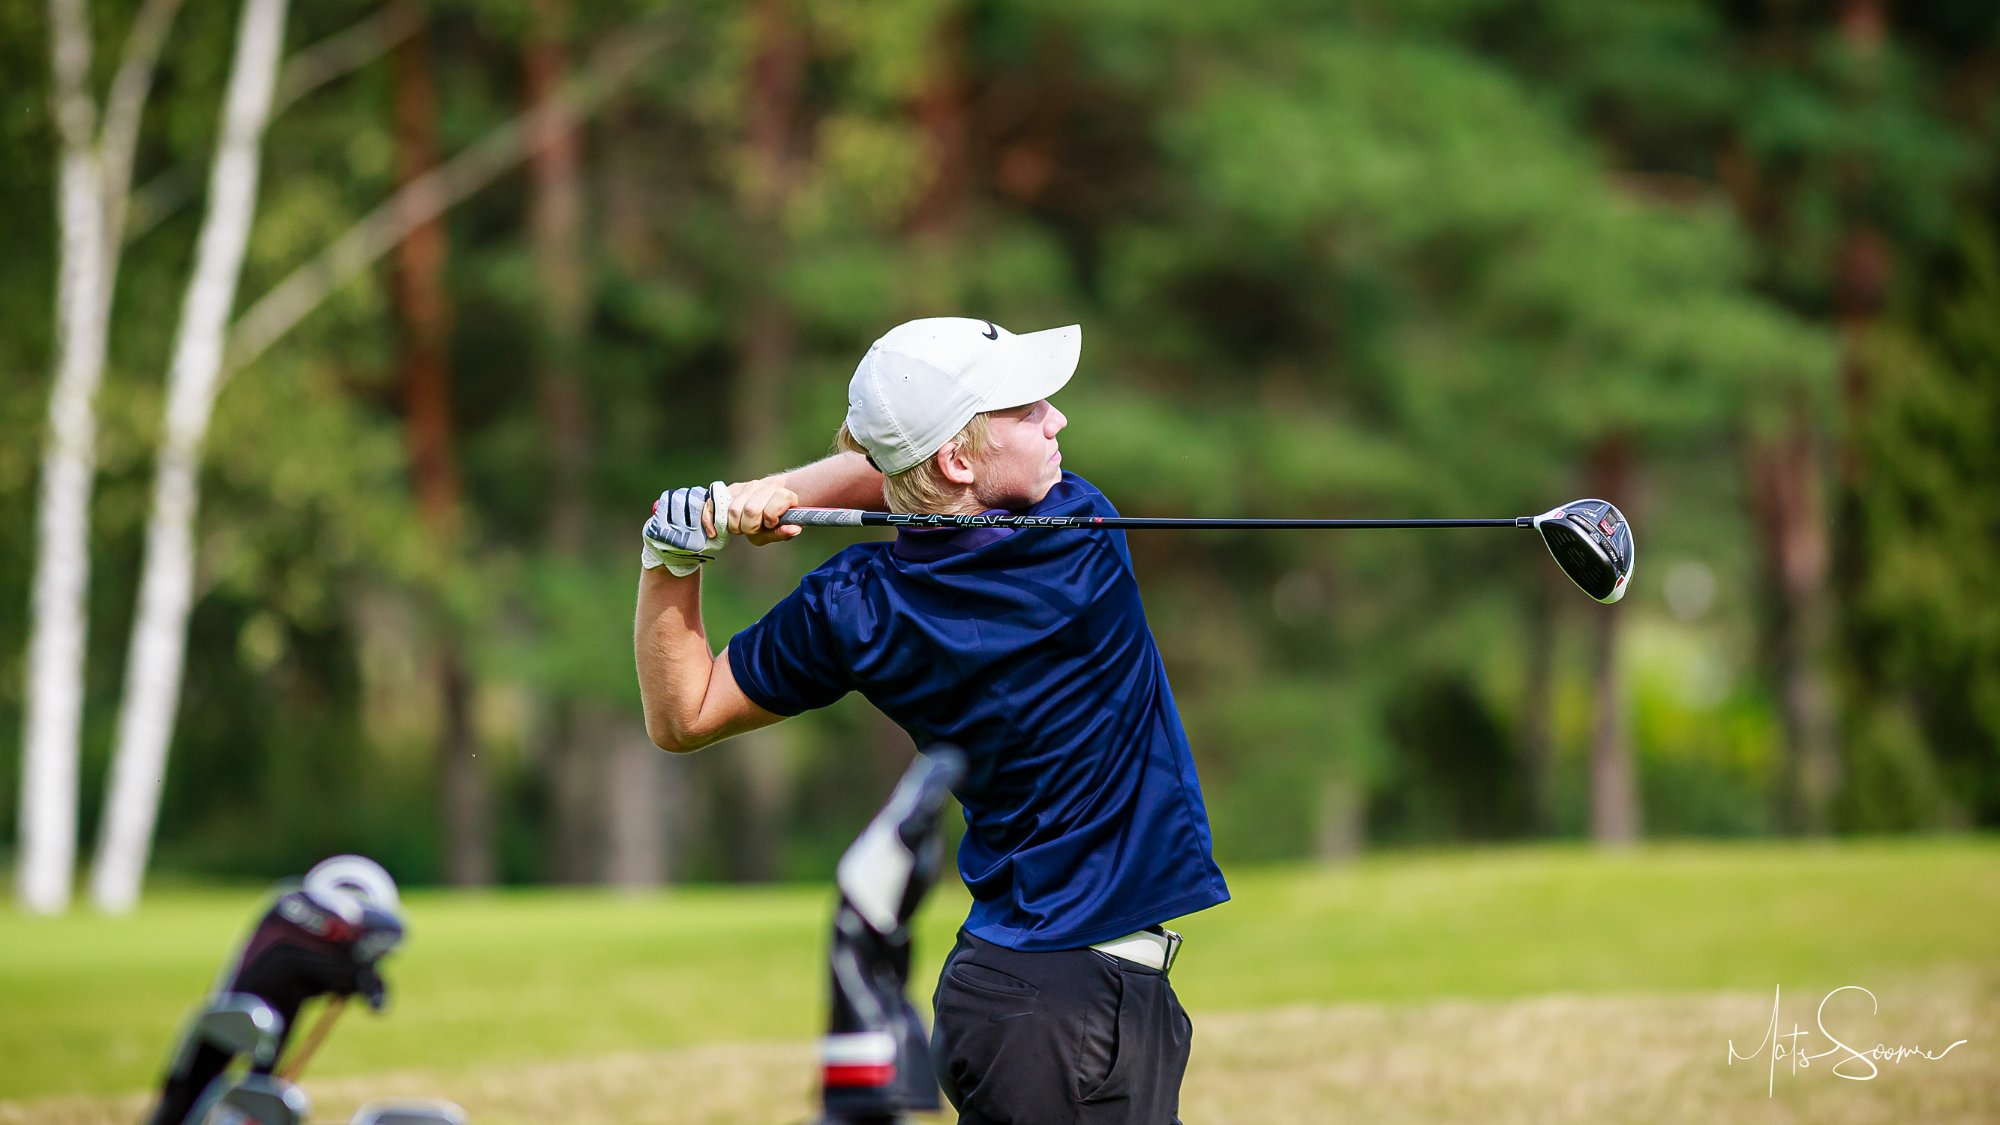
876	1055
322	937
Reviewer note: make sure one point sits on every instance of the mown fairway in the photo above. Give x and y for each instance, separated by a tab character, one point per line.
1509	985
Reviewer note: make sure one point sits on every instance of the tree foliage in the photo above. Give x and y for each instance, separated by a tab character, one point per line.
1425	258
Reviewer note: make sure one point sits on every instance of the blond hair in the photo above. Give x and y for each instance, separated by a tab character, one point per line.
922	487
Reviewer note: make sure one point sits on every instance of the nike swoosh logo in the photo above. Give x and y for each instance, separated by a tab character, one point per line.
1003	1017
992	332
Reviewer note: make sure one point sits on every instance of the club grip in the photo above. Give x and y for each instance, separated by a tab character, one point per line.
821	517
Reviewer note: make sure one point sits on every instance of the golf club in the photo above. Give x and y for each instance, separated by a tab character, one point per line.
1589	539
296	1064
237	1025
254	1099
409	1113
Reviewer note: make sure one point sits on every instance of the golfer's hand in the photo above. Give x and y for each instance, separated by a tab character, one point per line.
755	507
683	533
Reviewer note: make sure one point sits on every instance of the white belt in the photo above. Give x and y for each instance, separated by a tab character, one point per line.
1154	948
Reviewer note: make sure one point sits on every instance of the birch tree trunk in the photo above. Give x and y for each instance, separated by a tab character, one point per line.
154	663
159	632
57	616
123	107
306	70
153	669
94	181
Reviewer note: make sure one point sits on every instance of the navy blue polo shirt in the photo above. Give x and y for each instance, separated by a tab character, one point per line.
1029	650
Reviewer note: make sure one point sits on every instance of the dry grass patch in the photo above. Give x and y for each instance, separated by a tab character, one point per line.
1546	1060
1596	1060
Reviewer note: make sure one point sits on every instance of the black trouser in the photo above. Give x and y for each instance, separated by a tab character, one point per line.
1075	1036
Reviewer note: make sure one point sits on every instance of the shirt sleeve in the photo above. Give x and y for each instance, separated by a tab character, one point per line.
791	659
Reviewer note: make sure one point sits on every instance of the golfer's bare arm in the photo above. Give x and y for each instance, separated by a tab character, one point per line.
844	480
690	695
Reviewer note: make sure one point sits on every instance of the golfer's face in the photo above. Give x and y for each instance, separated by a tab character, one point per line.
1023	461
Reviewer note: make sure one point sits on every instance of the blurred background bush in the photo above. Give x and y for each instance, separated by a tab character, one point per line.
1732	265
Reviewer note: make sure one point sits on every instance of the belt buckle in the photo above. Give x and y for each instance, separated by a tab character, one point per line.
1173	949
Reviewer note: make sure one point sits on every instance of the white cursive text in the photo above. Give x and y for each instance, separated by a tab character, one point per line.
1786	1045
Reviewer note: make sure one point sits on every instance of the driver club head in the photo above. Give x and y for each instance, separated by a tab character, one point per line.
1592	543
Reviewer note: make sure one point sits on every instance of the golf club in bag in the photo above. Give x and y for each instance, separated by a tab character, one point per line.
875	1059
1589	539
323	937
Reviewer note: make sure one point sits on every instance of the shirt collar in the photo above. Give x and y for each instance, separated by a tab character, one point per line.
931	544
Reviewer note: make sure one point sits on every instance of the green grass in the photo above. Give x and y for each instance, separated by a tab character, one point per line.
1517	922
88	1005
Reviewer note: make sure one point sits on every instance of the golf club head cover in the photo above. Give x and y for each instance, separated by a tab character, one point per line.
876	1054
320	937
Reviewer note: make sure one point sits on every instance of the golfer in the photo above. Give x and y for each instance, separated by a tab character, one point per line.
1029	650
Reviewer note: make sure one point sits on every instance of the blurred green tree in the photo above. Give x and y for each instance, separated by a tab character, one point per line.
1721	262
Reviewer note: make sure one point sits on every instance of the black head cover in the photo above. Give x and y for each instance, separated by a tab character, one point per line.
876	1054
1592	543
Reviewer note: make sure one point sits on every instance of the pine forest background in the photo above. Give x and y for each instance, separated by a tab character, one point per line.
1733	264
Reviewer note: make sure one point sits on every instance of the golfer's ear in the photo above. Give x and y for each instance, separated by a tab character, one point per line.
954	464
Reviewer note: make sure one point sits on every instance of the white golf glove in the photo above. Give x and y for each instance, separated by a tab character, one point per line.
674	537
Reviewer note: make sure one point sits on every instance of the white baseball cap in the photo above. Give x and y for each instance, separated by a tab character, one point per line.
923	381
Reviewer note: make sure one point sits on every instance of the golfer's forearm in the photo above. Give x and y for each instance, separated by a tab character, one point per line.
670	648
844	480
